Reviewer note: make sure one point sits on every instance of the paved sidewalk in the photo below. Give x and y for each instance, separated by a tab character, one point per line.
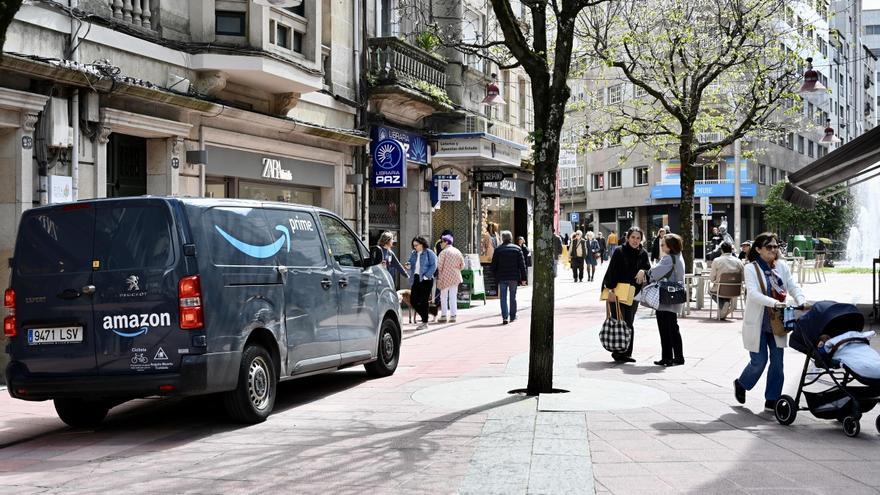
445	424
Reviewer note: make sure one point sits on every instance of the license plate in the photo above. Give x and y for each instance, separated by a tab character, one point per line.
62	335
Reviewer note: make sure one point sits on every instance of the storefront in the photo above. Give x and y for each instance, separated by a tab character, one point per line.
233	173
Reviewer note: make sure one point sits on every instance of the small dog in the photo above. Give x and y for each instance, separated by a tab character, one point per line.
405	298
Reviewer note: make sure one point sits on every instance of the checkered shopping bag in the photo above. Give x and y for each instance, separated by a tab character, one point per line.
615	334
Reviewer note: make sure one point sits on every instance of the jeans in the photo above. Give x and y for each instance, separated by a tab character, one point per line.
670	336
449	301
503	287
755	368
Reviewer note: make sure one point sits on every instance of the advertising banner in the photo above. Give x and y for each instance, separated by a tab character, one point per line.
389	165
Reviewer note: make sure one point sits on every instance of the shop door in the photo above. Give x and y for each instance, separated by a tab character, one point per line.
126	166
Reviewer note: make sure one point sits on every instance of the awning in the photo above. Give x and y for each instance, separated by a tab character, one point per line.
859	159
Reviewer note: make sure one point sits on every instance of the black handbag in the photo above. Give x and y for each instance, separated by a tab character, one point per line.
672	292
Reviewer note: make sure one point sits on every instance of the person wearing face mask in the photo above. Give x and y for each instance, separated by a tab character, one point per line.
768	282
629	265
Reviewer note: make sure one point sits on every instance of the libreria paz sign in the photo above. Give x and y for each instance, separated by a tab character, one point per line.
389	165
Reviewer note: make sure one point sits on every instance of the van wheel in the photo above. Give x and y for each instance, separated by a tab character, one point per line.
388	353
80	413
254	397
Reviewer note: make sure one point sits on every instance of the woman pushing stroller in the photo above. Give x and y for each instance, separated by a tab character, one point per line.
768	283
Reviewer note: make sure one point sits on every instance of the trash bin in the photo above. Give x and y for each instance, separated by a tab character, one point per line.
798	245
472	281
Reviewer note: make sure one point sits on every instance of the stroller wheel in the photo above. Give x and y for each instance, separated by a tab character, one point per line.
851	426
785	410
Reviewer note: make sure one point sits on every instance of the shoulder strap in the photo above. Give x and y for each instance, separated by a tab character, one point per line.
760	277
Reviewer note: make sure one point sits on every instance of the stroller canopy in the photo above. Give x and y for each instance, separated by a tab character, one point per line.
825	317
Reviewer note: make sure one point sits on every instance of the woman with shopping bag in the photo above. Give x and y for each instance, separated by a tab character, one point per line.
667	277
629	265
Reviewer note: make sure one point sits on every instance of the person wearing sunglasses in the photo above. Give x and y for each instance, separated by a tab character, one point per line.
768	282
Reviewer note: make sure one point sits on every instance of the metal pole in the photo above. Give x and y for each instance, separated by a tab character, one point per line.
737	193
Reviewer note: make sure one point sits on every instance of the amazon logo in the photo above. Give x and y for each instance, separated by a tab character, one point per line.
256	251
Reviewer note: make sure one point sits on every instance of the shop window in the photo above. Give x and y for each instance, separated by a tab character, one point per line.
598	182
229	23
641	176
615	179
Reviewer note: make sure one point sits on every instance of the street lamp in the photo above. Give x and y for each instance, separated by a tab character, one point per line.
812	89
493	94
828	136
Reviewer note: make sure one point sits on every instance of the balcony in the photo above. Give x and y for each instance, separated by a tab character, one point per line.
134	12
406	82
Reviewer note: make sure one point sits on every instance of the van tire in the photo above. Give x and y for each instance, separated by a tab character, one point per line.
253	399
388	353
80	413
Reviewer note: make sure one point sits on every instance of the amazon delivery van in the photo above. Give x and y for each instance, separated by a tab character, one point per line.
116	299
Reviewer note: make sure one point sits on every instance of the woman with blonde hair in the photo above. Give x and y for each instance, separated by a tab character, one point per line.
593	254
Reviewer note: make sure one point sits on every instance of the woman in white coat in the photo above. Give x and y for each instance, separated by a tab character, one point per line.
757	334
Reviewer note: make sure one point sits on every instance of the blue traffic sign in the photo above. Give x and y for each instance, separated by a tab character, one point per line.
575	216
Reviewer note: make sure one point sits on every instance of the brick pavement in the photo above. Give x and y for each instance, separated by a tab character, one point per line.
346	434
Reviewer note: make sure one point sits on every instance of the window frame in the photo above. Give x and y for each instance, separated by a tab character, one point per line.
647	172
611	175
597	181
242	18
362	252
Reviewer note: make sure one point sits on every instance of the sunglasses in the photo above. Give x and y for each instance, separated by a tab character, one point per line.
772	247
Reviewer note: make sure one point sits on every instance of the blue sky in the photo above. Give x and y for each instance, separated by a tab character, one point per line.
870	4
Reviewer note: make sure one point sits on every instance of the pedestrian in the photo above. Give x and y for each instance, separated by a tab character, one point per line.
509	268
450	263
722	265
744	249
768	283
527	253
557	252
565	239
593	255
671	267
628	265
655	246
421	265
489	242
577	251
612	243
382	254
602	248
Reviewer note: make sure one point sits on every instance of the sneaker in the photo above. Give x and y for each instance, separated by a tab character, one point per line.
504	322
442	319
739	392
451	319
422	326
770	405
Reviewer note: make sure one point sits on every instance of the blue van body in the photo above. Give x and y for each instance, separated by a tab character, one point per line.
284	291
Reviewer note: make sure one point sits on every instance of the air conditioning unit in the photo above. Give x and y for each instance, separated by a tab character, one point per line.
472	123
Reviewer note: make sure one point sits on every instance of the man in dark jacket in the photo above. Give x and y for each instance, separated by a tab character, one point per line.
557	252
509	268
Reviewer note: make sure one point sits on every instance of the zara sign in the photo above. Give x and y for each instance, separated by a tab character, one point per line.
272	170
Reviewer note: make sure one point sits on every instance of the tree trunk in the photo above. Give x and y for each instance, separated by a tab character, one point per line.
686	206
549	116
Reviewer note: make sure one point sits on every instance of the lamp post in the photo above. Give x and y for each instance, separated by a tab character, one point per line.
737	193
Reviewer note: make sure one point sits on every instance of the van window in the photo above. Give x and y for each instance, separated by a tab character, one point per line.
133	237
343	244
58	240
243	237
306	248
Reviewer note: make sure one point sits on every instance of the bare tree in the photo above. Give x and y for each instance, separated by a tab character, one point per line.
705	73
538	37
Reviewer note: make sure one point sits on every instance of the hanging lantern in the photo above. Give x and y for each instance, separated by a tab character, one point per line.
828	137
493	94
812	89
278	3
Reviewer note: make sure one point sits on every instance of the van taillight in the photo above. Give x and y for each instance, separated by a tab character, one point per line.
189	292
9	326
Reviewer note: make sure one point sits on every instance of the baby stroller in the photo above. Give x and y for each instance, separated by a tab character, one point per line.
850	395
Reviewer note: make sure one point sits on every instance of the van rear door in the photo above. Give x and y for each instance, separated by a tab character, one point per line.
51	277
136	303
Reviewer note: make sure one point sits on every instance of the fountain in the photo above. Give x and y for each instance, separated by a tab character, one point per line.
863	244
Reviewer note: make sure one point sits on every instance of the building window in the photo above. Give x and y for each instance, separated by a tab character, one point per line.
762	174
297	42
641	176
229	23
615	94
800	141
615	179
811	148
598	182
299	10
639	91
790	140
782	175
772	175
282	35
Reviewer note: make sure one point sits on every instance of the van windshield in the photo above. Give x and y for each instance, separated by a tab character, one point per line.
55	241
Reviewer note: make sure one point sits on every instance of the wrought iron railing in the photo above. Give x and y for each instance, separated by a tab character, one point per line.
394	60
